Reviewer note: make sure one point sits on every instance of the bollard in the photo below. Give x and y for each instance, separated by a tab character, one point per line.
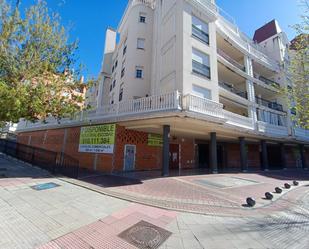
251	202
287	186
295	183
269	196
278	190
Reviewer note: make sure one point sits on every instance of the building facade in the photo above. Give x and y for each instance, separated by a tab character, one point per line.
185	88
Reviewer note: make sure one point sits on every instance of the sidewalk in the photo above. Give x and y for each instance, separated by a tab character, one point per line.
69	216
221	194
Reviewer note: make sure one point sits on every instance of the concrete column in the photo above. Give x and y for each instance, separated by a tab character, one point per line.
250	90
282	155
302	156
264	155
243	155
166	150
213	152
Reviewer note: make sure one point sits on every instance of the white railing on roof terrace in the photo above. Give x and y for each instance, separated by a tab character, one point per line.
149	3
201	105
231	29
209	4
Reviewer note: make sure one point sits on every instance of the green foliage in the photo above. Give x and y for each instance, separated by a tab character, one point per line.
299	71
37	79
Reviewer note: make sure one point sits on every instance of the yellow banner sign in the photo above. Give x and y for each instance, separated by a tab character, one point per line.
97	139
155	140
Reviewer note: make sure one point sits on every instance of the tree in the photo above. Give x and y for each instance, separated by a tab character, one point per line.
38	75
299	71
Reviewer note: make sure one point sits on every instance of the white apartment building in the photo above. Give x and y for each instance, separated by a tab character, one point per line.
183	69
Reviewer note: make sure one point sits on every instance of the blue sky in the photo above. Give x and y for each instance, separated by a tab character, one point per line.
89	20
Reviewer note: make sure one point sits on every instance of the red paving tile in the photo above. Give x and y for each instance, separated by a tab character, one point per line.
104	233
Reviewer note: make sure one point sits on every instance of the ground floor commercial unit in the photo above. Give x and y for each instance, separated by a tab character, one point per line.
171	143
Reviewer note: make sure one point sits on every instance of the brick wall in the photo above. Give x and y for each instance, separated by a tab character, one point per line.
291	155
233	156
254	161
146	158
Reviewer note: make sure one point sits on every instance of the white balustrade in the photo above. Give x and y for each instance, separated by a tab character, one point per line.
163	102
238	120
245	42
149	3
202	105
273	130
301	133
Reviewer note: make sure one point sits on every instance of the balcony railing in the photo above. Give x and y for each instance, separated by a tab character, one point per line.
271	118
163	102
269	104
231	60
149	3
301	133
268	81
200	34
200	69
202	105
228	26
268	122
234	90
238	120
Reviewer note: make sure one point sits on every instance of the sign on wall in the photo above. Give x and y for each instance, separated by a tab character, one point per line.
97	139
155	140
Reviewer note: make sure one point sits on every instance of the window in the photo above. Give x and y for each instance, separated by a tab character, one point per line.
124	50
200	30
116	64
114	83
139	73
111	87
200	63
140	43
113	69
201	92
122	72
142	18
121	92
112	99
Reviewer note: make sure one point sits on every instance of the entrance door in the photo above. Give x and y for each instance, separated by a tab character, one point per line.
129	157
274	157
174	156
203	155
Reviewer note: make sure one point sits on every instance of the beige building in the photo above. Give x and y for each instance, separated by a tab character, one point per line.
183	69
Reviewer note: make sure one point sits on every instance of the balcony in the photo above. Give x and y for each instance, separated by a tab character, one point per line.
200	34
201	69
234	90
231	60
267	81
229	29
173	104
202	106
272	105
301	133
271	118
238	120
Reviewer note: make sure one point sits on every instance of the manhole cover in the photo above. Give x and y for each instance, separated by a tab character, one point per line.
45	186
144	235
